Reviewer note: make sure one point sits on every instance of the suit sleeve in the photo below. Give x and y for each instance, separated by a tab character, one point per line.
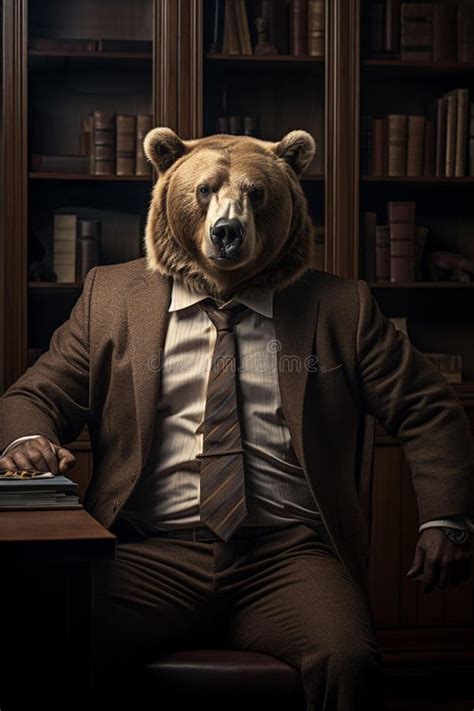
414	403
52	397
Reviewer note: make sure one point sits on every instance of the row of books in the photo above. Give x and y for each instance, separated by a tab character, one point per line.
114	143
23	490
76	247
393	251
422	31
238	125
401	145
295	27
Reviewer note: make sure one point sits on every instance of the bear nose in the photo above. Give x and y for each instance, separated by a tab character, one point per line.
227	233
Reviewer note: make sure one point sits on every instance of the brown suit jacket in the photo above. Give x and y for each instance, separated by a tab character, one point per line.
103	370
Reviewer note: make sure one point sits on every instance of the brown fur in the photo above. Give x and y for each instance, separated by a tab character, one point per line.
233	164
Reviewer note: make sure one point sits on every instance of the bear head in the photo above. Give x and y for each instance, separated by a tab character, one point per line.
228	212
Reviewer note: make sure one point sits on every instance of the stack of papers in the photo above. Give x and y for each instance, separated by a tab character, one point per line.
27	489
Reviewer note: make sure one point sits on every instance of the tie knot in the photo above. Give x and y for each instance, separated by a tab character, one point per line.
224	319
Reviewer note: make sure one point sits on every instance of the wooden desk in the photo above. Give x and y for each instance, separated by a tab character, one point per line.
46	602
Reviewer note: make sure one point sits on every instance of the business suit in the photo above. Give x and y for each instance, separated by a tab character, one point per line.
103	368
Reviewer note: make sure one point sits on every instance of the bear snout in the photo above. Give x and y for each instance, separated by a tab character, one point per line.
227	236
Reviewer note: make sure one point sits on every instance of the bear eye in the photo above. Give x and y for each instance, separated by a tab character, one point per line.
204	190
256	193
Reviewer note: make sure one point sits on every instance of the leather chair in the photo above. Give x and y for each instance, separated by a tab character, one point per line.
232	679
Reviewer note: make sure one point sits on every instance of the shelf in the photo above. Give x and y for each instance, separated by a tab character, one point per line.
421	285
398	66
418	180
55	285
87	176
275	58
88	55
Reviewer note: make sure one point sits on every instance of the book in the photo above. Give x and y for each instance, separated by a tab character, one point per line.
243	27
441	124
103	143
415	145
401	218
369	225
382	252
392	26
397	144
125	144
217	27
445	32
144	124
471	139
64	247
429	148
379	147
316	28
298	27
462	130
38	493
230	43
87	247
416	43
466	33
451	131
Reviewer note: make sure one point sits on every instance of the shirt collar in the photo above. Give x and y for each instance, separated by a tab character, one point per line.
257	299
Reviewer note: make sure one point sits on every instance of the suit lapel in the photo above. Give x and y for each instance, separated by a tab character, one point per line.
296	315
147	314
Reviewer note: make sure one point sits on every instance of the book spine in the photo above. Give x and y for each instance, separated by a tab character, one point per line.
429	149
401	217
126	132
379	147
466	33
417	31
242	27
462	129
88	247
445	32
298	32
103	143
441	122
416	138
392	26
382	253
397	144
316	28
231	44
451	129
64	247
144	125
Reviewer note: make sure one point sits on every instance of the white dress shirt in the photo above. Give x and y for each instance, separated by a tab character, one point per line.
167	494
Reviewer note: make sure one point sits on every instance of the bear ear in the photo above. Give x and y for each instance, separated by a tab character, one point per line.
163	148
297	148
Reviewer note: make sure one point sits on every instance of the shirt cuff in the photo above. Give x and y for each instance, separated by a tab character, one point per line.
17	441
462	523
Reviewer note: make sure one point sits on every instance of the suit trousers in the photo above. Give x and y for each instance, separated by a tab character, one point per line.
285	593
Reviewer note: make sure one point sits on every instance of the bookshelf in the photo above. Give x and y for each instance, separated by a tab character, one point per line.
187	85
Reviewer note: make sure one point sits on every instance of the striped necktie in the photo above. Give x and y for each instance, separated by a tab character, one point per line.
222	482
